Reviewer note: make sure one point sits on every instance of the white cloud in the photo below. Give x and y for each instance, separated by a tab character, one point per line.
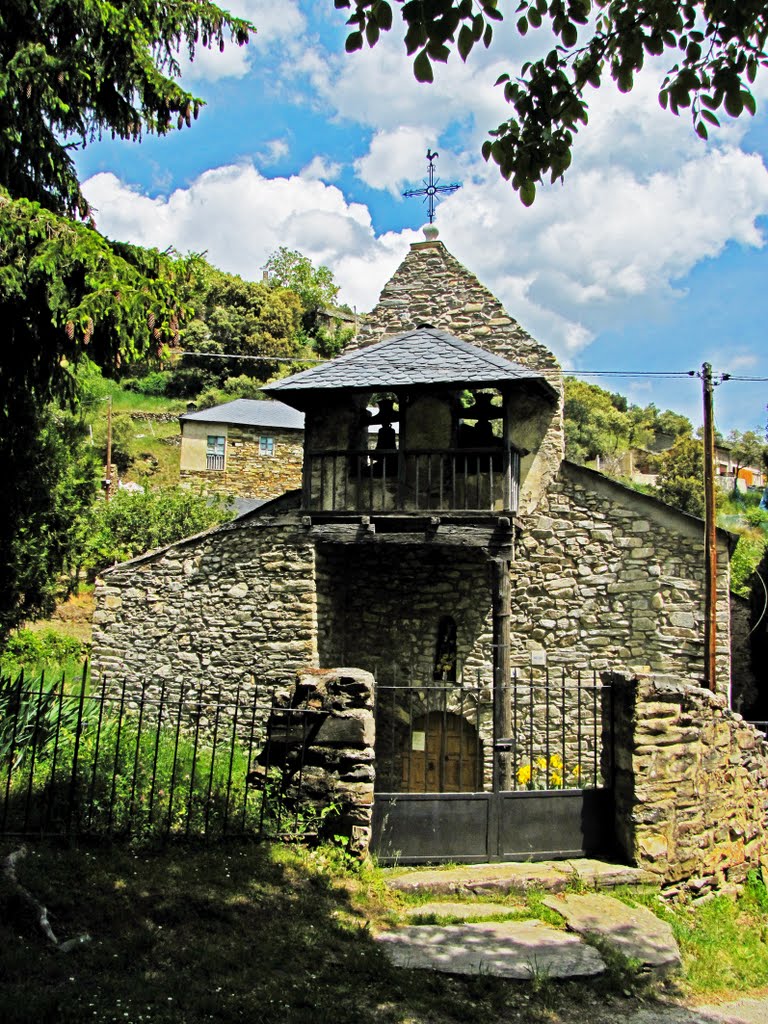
391	160
274	150
277	25
238	217
321	169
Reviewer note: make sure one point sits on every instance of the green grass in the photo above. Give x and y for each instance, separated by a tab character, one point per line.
277	934
723	942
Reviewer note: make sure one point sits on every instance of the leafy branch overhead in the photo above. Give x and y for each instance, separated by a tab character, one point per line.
714	49
72	70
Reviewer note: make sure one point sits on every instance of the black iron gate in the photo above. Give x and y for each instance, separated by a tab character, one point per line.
451	787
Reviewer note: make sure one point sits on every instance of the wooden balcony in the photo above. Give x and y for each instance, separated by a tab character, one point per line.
447	480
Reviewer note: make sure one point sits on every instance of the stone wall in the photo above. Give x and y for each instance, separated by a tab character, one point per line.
691	784
380	605
235	605
248	472
744	686
605	578
335	768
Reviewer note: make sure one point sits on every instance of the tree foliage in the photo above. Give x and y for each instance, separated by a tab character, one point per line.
602	424
714	49
73	69
53	475
747	449
131	524
67	293
315	286
681	476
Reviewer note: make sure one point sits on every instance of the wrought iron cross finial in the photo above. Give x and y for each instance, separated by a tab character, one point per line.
431	188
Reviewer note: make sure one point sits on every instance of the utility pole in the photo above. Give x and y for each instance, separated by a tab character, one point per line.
710	553
108	476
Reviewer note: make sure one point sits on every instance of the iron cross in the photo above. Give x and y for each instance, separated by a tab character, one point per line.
431	188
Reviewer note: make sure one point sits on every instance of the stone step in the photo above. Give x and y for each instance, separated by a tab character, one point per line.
462	911
506	949
488	879
634	932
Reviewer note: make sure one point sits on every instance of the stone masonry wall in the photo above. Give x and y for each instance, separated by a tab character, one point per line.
336	767
691	784
249	473
605	578
380	605
235	605
431	286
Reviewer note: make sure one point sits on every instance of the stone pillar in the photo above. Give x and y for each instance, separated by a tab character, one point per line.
339	762
691	784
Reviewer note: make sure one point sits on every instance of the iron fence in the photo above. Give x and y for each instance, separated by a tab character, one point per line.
78	758
545	731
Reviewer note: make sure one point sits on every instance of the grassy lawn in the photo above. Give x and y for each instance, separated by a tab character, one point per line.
272	934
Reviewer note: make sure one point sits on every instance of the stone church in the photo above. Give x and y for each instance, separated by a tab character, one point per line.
441	542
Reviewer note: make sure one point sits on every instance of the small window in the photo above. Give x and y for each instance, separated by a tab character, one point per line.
214	452
266	446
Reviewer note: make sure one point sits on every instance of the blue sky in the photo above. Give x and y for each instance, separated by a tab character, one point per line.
651	256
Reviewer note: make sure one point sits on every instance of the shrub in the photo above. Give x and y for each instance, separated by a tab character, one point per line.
131	524
155	383
46	648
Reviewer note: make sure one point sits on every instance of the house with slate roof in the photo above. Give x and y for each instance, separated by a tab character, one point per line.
247	448
439	540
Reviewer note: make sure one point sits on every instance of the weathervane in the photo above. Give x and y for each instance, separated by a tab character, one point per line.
431	188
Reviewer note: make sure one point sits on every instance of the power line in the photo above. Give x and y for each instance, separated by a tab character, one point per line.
257	359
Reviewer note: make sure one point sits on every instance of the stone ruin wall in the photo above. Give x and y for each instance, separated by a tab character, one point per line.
334	767
248	473
232	607
691	784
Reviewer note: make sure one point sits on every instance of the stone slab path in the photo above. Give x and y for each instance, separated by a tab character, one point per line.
506	949
489	879
633	931
523	949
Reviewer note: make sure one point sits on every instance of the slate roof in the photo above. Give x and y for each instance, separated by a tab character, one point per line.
250	412
412	359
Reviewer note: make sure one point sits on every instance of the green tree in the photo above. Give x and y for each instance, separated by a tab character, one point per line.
53	475
240	317
131	524
681	476
73	69
714	49
70	70
314	286
747	449
673	423
594	426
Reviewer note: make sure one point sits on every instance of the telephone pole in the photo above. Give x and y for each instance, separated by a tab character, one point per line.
710	534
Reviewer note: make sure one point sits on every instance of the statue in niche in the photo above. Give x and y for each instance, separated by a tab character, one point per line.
445	652
386	438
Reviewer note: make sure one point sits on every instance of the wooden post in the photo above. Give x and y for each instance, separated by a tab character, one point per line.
108	491
710	550
502	670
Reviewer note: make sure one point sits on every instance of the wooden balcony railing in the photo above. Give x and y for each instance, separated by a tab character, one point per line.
416	480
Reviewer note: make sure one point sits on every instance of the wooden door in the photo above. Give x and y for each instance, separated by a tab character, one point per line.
441	755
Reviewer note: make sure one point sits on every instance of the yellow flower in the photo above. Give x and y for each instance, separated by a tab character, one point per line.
541	764
556	762
576	772
556	780
524	774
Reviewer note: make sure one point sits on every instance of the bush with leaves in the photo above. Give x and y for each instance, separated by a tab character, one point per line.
131	524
